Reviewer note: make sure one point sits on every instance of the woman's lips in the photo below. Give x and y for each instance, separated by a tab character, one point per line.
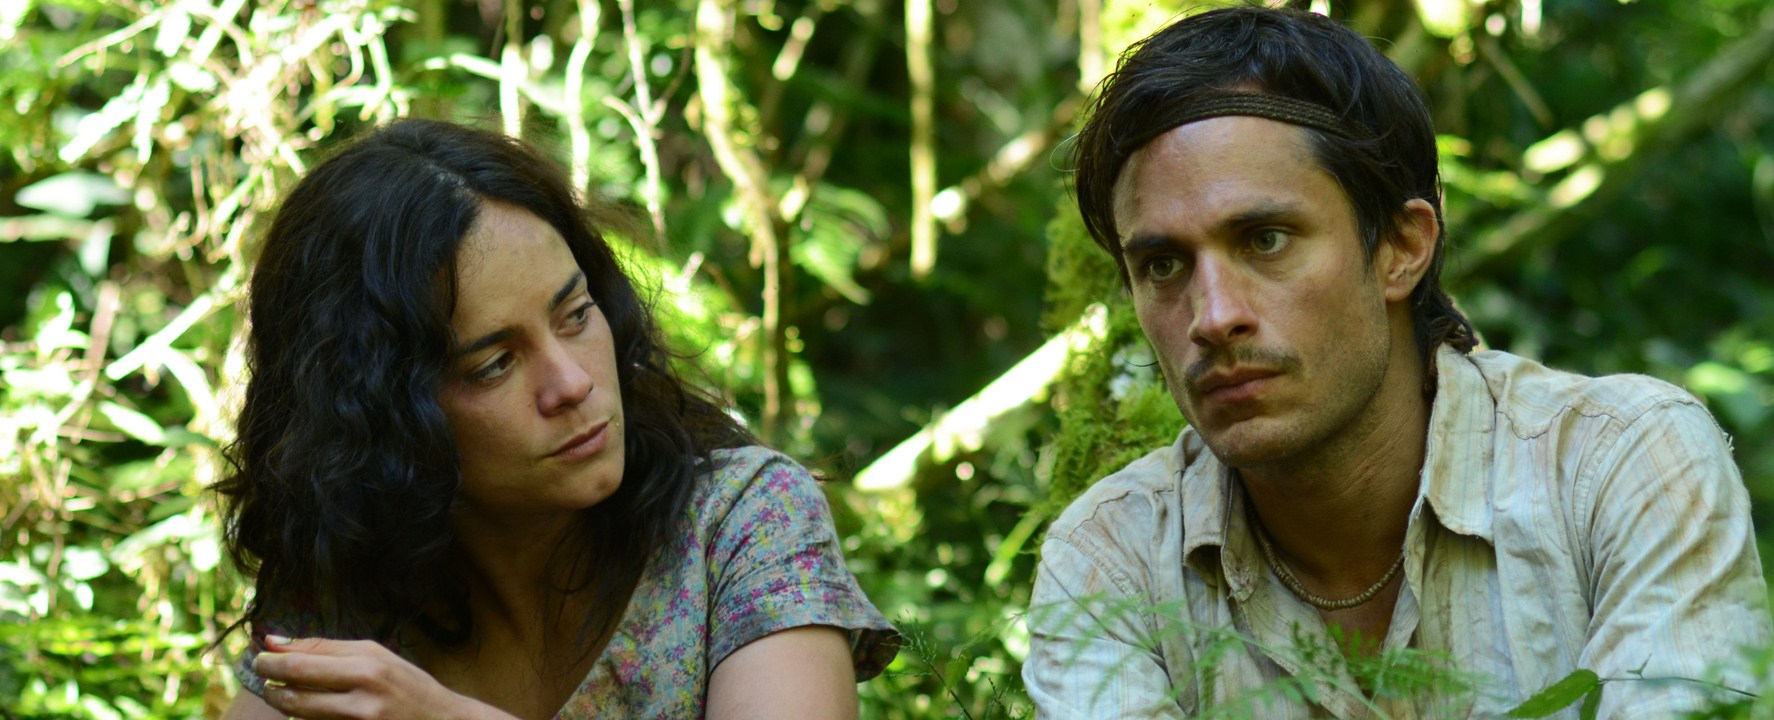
585	444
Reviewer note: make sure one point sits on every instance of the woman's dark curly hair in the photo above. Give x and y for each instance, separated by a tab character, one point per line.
344	471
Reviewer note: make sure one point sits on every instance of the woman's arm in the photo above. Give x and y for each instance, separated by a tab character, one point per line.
801	672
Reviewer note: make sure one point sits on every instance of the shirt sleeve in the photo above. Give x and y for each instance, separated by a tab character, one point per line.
1677	587
243	667
1091	652
775	564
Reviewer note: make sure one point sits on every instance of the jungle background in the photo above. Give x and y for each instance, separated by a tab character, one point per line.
860	230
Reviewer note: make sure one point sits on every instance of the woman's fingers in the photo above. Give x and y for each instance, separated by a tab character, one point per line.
324	664
314	671
322	646
315	704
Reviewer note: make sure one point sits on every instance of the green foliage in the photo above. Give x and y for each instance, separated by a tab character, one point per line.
1322	665
949	561
144	141
1582	685
1111	401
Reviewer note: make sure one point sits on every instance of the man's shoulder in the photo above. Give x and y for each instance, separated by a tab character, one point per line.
1533	396
1137	498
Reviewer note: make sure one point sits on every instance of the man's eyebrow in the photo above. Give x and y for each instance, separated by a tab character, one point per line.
505	333
1267	211
1264	212
1144	242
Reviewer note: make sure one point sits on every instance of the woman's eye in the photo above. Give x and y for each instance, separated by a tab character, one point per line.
580	315
1161	268
492	370
1269	242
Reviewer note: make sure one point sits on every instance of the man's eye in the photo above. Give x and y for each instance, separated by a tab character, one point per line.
1269	242
1162	268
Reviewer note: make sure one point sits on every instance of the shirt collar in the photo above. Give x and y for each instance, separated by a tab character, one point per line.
1457	462
1215	542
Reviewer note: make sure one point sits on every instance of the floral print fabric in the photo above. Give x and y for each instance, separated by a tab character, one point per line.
757	554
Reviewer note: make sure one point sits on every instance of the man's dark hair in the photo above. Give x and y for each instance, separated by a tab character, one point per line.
1388	160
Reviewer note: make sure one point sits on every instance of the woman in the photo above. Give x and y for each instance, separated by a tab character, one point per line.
463	447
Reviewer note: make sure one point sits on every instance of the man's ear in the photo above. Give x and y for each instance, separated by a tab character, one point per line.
1403	258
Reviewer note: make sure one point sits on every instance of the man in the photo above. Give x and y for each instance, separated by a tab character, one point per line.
1356	483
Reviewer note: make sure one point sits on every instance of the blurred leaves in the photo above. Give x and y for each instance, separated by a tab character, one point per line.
145	140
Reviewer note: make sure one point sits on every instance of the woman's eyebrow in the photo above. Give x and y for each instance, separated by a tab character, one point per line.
504	333
566	291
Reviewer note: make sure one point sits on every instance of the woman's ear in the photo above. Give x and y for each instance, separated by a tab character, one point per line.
1403	258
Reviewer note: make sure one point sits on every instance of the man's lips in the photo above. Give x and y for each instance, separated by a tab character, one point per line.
1228	383
584	444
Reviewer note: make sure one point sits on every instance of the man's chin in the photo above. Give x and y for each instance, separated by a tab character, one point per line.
1248	443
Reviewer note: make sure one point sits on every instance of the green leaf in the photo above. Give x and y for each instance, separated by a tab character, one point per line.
54	381
1592	703
72	194
839	225
12	15
133	423
170	506
83	563
175	26
1559	695
58	330
95	127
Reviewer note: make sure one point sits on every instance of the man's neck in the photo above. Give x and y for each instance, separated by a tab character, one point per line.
1337	515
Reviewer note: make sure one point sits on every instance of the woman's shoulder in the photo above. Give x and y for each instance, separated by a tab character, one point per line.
749	479
773	558
739	464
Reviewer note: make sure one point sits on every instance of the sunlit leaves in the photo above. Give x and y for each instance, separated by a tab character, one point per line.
839	226
72	194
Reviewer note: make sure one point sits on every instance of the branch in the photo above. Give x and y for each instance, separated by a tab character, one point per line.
923	81
714	34
953	203
824	124
966	428
1012	158
644	119
1617	147
573	94
511	70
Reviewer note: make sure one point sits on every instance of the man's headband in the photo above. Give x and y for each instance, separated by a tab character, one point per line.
1263	105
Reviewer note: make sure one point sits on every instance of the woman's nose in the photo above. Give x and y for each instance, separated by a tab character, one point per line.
564	381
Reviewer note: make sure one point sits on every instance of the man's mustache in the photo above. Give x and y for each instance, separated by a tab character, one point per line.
1241	356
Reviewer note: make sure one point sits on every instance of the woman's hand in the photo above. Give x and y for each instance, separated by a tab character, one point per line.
319	679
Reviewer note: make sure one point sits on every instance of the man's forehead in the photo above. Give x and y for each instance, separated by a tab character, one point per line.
1208	148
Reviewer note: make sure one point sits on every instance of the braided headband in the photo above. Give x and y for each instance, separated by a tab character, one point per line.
1263	105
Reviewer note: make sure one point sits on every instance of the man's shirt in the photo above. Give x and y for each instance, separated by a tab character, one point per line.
1562	522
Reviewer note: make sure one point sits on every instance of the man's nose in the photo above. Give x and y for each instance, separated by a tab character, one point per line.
1222	305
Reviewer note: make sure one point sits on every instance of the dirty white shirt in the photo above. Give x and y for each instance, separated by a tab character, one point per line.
1563	522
